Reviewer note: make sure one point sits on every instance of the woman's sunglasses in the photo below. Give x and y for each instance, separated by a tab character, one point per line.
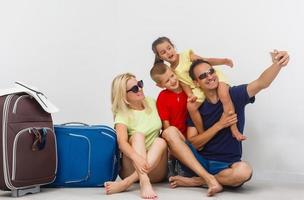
204	75
135	88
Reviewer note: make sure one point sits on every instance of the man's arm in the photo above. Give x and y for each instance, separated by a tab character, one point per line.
199	140
268	75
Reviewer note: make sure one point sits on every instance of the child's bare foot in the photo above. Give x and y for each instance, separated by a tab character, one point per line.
213	187
236	133
146	190
176	181
116	187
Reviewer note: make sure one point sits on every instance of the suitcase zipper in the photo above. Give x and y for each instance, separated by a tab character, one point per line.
17	101
15	147
4	144
89	160
115	159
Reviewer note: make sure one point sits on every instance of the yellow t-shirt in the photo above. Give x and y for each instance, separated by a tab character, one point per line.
182	73
140	121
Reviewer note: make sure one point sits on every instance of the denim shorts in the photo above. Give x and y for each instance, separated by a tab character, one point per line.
213	167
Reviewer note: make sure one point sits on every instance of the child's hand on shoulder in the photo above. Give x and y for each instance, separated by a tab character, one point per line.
191	98
228	62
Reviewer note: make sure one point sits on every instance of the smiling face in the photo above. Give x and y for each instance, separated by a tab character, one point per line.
136	96
205	77
166	52
169	81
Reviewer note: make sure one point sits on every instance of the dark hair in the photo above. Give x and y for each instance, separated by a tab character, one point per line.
194	64
158	69
156	42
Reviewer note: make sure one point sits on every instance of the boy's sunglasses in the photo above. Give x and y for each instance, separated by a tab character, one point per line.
204	75
135	88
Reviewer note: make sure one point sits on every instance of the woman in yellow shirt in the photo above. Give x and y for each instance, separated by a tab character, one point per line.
138	127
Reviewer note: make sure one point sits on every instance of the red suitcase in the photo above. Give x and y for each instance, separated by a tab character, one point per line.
28	157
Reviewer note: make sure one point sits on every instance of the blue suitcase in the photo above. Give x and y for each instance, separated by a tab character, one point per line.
87	155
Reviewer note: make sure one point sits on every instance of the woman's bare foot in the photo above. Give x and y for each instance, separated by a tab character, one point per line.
213	186
146	190
116	187
177	181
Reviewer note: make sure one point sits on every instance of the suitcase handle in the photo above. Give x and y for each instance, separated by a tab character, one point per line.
75	123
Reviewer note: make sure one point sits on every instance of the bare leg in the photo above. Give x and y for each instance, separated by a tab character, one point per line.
138	144
158	160
184	154
223	92
181	181
156	154
195	115
237	174
113	187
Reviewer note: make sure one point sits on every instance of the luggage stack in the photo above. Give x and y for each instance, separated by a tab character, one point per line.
34	153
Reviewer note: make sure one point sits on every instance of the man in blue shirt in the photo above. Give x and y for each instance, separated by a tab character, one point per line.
215	148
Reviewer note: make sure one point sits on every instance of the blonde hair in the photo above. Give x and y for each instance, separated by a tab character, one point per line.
157	70
119	100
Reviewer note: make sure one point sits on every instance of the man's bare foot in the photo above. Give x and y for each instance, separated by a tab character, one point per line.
116	187
181	181
213	186
237	134
146	190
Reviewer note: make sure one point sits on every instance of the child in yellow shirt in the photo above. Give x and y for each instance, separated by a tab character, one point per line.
164	50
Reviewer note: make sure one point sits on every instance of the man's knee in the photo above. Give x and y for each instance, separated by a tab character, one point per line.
243	173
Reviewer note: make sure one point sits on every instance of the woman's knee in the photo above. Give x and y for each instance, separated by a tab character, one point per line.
137	138
161	143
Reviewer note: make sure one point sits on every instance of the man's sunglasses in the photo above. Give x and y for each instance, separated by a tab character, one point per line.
135	88
204	75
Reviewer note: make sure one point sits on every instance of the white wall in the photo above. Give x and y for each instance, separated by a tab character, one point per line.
72	49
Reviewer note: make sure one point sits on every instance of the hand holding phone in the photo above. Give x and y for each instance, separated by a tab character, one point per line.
273	55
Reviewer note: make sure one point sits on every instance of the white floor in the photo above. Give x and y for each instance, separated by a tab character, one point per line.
254	190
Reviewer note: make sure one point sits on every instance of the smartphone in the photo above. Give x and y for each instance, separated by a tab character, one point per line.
273	54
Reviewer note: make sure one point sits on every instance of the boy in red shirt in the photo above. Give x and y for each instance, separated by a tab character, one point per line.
171	105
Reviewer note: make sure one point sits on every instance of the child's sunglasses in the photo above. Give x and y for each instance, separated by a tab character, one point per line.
135	88
204	75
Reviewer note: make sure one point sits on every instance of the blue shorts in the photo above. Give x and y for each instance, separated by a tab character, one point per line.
213	167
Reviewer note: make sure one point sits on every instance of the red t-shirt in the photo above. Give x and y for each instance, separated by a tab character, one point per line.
172	107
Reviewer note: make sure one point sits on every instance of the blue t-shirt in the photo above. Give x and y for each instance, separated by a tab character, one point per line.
223	146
